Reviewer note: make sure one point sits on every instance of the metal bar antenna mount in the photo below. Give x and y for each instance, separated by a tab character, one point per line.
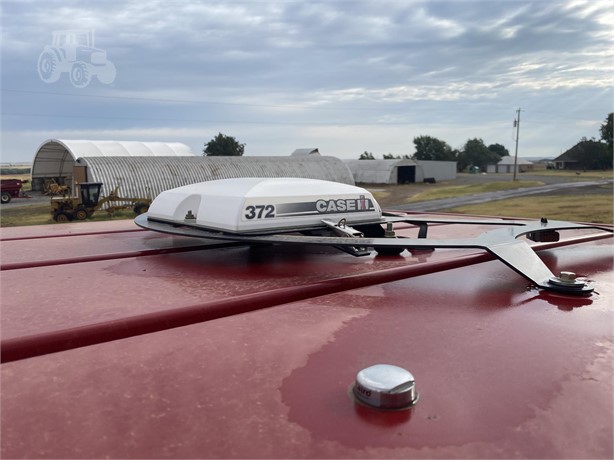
503	243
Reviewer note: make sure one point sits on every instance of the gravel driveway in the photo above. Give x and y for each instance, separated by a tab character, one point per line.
35	198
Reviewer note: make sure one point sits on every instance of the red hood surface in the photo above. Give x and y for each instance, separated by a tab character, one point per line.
125	343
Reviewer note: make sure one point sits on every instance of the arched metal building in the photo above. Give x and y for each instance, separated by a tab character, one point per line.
142	169
401	171
55	158
142	176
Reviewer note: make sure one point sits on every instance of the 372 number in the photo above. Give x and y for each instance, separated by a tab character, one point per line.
260	211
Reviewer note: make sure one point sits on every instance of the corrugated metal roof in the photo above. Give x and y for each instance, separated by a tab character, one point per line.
55	157
509	160
143	176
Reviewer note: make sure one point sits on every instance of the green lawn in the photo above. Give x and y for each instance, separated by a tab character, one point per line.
607	174
462	190
40	214
595	208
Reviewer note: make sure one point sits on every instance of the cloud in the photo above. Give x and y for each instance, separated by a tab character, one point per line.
280	72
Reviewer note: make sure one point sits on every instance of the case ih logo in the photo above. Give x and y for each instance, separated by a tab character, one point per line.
344	205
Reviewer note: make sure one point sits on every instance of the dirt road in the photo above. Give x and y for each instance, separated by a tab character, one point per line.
34	198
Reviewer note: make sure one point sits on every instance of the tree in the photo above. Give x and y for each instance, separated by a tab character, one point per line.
475	153
390	156
499	150
589	154
366	156
607	134
223	146
432	149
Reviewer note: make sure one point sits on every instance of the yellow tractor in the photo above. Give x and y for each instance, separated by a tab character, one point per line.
67	208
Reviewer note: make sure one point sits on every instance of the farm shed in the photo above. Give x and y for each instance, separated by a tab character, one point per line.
400	171
142	176
506	165
55	158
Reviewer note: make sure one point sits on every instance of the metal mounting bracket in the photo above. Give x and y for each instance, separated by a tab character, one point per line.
503	243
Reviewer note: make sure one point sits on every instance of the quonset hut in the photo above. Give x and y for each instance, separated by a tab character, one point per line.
401	171
55	159
142	168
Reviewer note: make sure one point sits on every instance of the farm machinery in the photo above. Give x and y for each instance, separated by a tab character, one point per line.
88	201
53	188
11	188
293	211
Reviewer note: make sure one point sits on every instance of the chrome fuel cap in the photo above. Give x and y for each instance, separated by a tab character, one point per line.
384	386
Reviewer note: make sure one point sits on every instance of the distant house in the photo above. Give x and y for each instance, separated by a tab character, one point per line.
586	154
506	165
567	160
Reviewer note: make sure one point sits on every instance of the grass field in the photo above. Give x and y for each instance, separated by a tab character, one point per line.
597	208
593	208
607	174
40	214
462	190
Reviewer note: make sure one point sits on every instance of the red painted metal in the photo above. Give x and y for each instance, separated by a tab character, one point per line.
250	353
11	187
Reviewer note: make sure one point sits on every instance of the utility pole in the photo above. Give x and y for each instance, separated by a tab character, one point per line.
517	125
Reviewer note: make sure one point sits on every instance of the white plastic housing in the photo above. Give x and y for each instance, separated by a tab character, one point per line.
250	205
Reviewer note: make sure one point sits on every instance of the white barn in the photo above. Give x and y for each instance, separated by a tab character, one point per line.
401	171
506	165
56	158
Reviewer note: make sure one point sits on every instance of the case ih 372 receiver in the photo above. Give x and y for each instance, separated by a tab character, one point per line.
315	212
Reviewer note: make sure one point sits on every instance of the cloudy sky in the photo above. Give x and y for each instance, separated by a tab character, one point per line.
342	75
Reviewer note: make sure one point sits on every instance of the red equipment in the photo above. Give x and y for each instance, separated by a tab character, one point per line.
126	343
11	188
